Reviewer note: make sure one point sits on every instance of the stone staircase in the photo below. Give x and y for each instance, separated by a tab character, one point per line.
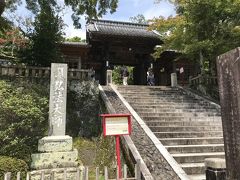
189	127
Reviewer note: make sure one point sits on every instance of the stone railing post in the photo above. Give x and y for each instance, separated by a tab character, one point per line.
215	169
173	79
109	77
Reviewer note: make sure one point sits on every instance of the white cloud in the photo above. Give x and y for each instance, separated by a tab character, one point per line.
161	9
71	32
136	2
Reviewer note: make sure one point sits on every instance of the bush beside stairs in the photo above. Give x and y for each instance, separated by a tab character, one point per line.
189	127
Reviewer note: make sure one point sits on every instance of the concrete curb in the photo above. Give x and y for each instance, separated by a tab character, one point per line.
167	156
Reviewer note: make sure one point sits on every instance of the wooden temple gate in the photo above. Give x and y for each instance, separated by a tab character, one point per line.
111	43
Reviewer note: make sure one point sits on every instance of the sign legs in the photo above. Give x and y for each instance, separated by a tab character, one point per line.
118	156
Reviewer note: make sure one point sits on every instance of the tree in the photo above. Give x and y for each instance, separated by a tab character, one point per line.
202	30
74	39
138	19
23	109
11	41
93	9
2	6
43	48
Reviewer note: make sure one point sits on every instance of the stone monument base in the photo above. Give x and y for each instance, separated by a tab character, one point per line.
55	152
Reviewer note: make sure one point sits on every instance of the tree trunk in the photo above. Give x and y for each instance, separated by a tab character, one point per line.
2	5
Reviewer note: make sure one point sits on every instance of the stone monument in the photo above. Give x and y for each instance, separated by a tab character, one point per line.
55	150
228	66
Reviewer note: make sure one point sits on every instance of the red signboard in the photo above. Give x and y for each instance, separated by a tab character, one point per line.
116	125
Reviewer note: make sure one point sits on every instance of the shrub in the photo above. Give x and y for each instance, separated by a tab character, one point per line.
116	76
13	165
23	120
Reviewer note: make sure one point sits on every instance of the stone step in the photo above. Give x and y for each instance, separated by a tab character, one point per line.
190	134
196	157
155	94
193	168
172	96
167	101
172	106
189	141
169	104
169	98
183	123
197	177
173	114
176	110
195	148
181	118
144	91
185	128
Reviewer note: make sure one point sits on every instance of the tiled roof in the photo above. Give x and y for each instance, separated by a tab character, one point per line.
116	28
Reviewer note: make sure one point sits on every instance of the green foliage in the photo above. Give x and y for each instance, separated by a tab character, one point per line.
74	39
43	48
13	165
96	152
116	75
92	9
202	30
138	19
83	109
23	120
105	153
117	78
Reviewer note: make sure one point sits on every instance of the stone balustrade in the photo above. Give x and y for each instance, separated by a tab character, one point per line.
41	72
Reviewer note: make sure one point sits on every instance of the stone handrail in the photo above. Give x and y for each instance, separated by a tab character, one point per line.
205	85
41	72
200	79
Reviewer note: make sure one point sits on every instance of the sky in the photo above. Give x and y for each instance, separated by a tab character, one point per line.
125	10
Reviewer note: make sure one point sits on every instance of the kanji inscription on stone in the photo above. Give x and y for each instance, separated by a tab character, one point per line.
58	98
228	66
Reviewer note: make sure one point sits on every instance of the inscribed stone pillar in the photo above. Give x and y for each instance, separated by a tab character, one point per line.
57	103
55	150
228	66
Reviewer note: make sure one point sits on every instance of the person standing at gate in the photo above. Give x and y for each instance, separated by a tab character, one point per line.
124	74
150	77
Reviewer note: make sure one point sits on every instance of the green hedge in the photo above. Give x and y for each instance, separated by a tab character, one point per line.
23	118
13	165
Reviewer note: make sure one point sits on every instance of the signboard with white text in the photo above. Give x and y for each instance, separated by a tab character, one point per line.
116	124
